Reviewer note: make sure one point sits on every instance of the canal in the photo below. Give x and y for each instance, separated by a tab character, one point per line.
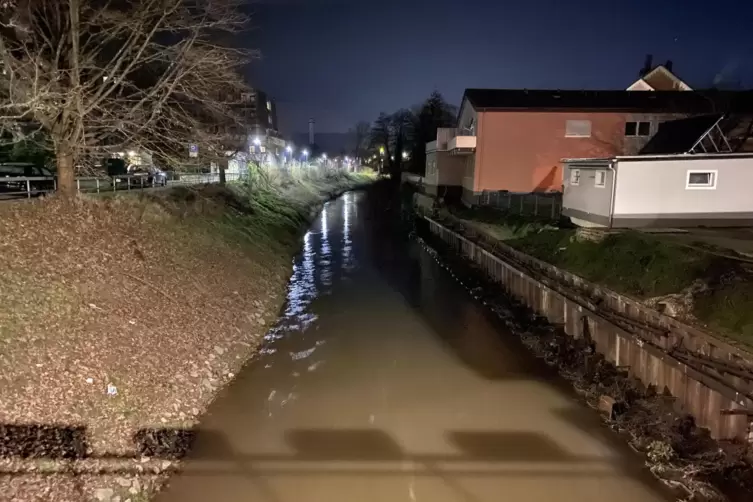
385	381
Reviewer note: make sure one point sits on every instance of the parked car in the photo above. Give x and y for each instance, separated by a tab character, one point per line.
12	180
152	175
140	176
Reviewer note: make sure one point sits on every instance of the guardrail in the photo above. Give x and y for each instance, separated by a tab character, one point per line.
34	186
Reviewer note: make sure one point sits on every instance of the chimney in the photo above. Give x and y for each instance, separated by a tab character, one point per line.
646	65
311	131
668	65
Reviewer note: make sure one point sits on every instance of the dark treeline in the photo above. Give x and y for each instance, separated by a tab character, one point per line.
396	142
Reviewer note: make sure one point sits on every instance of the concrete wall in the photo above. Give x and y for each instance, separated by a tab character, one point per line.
468	117
654	192
451	169
431	174
444	169
585	202
520	151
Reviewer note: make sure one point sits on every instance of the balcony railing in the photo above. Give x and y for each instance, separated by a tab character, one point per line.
462	143
460	140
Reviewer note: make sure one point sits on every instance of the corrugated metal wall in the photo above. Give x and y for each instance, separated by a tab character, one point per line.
710	399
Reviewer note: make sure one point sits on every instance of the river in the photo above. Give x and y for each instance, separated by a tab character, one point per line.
385	381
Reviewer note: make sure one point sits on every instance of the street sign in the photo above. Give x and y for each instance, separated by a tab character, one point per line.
193	150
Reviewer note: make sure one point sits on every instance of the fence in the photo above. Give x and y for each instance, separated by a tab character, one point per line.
540	205
18	187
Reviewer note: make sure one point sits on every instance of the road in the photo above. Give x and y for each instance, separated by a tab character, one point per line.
385	381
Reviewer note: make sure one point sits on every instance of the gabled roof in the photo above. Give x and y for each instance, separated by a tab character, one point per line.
679	136
659	79
609	100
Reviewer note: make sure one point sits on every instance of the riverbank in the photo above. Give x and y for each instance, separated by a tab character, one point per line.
679	452
697	284
122	319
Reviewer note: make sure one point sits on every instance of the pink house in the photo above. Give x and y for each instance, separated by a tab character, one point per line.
515	139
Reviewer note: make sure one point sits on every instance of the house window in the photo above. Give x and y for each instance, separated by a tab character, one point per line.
601	179
574	177
578	129
245	97
637	128
701	180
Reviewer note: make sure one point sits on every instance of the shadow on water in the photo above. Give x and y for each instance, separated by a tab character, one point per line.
307	445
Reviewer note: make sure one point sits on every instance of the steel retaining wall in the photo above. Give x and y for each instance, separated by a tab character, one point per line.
714	404
673	333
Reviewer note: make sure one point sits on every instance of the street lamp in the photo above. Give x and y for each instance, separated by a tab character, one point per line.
257	141
405	155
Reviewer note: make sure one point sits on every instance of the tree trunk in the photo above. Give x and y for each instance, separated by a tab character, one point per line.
222	168
66	179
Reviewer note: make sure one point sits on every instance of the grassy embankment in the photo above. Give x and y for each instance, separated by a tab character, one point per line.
718	291
159	297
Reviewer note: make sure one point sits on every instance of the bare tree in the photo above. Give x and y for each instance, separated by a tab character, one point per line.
98	76
361	139
401	124
381	137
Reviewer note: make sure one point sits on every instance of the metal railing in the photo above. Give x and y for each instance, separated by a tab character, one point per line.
539	205
18	187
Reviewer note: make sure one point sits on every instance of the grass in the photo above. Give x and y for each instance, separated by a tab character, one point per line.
267	215
137	290
728	309
636	264
639	265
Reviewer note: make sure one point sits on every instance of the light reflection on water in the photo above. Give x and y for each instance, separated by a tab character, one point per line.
348	206
325	251
325	258
403	391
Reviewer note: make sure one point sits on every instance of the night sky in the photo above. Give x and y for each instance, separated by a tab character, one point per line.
341	61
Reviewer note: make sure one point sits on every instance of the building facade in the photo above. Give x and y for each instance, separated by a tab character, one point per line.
443	176
514	140
660	191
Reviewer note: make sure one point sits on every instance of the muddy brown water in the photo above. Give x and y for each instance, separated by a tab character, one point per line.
385	381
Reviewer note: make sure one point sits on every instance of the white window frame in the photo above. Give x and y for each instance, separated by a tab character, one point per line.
604	179
714	178
574	180
570	135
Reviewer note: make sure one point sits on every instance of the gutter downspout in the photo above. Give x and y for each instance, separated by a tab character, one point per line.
612	168
479	150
